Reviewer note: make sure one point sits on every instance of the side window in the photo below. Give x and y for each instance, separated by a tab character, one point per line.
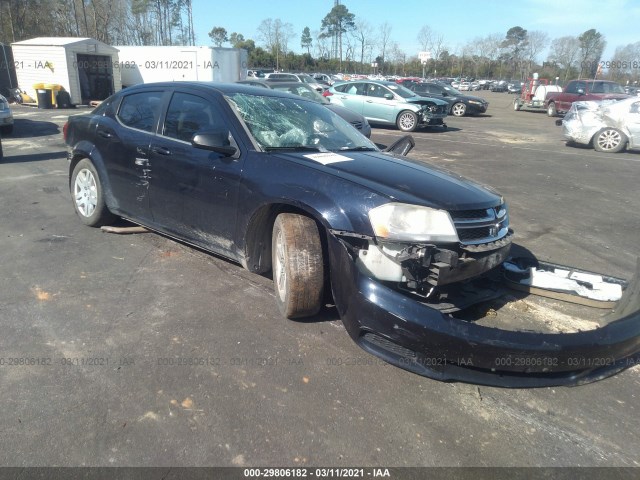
139	110
352	88
573	87
599	87
374	90
188	115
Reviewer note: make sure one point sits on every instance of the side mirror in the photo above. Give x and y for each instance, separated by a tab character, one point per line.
214	141
581	91
402	146
388	96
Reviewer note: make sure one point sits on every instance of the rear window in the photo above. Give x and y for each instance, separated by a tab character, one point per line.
140	110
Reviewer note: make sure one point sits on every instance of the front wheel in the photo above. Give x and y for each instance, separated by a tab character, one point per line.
609	140
88	197
458	109
407	121
551	110
298	266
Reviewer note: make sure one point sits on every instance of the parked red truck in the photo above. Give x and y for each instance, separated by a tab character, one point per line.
582	90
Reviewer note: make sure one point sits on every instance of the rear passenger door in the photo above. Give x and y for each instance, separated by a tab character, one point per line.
194	192
124	145
351	95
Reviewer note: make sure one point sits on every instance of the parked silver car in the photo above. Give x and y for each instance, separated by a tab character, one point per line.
6	117
608	125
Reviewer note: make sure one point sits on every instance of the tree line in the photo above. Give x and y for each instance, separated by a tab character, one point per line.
115	22
341	43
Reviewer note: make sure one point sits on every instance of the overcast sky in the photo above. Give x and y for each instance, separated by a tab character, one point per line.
459	21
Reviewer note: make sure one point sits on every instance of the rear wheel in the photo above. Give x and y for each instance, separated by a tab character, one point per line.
609	140
298	267
517	105
88	198
551	110
407	121
458	109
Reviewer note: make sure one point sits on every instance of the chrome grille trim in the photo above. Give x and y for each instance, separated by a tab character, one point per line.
481	226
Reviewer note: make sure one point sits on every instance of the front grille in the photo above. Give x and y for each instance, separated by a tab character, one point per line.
467	214
481	226
471	234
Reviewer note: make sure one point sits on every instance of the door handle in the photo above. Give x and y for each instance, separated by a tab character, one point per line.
161	150
105	134
369	101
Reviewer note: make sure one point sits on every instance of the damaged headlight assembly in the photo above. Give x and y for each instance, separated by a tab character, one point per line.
404	235
412	223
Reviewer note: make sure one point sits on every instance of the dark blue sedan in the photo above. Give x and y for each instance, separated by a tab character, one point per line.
280	183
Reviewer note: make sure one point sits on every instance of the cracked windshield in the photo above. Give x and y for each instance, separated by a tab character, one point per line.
293	124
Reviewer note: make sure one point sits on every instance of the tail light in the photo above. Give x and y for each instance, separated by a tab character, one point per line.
326	93
64	130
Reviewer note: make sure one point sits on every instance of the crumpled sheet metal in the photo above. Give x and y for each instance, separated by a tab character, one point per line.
585	119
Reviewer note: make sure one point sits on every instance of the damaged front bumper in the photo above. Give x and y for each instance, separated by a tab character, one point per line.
417	337
433	114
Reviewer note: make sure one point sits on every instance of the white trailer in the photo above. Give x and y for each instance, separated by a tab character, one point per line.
173	63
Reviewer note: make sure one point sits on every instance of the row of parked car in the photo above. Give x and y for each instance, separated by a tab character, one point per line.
407	103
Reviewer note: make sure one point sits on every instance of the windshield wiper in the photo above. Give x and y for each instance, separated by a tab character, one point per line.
304	148
361	148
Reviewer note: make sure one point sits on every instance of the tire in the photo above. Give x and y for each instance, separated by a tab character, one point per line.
609	140
551	110
298	266
407	121
458	109
516	105
7	129
87	195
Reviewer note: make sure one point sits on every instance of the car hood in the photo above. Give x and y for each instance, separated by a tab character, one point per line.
422	100
401	179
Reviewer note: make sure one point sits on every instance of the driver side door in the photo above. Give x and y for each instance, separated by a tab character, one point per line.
194	192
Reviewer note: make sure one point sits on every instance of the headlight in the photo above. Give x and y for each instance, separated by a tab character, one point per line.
475	102
412	223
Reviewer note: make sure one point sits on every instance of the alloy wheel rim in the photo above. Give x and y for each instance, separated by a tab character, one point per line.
407	121
86	192
609	140
458	110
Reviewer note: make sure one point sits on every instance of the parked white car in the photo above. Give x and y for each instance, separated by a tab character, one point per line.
609	126
6	116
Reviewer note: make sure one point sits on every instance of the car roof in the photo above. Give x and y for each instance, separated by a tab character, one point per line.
216	87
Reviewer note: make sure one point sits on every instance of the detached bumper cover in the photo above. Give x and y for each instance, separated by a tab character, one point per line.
413	336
